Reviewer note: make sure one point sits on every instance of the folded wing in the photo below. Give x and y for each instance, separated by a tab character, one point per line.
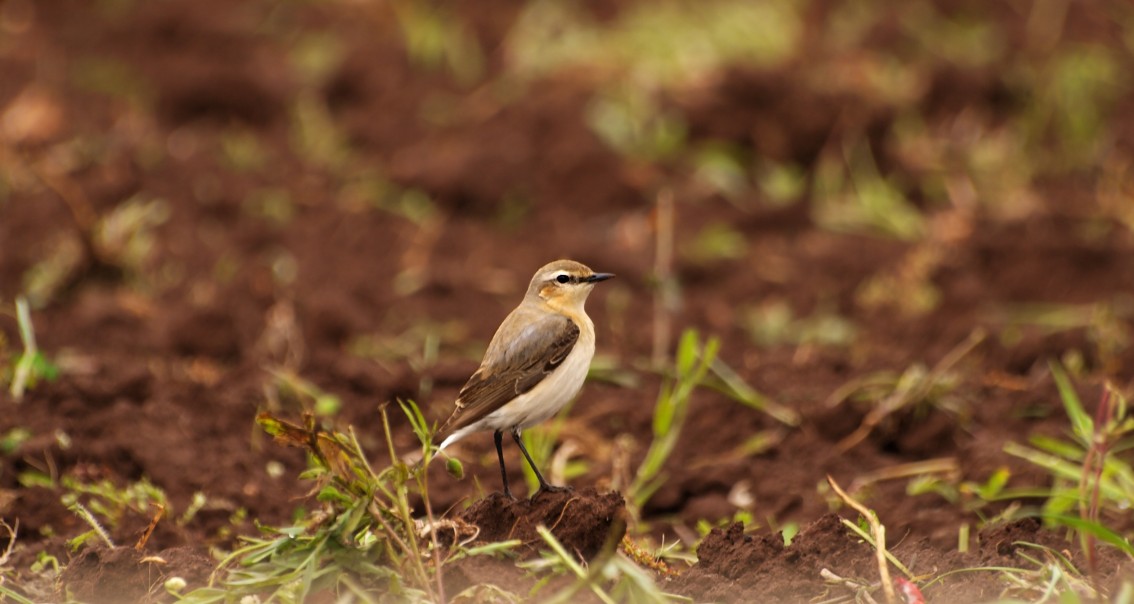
513	367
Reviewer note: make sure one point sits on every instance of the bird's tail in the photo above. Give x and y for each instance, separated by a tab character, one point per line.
445	435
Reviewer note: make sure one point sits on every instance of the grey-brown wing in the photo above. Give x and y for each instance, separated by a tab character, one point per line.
519	365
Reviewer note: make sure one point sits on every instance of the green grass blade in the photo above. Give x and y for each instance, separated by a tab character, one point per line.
1082	423
1095	529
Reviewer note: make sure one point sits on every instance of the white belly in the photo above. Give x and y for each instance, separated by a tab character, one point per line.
548	396
545	399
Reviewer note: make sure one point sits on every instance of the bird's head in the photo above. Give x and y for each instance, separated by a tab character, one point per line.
564	283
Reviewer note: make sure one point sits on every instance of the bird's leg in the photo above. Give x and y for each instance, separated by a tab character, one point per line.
498	437
543	484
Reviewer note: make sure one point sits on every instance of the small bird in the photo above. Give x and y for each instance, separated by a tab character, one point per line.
535	364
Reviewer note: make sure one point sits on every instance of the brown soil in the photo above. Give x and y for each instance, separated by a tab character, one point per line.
127	575
583	522
297	255
735	567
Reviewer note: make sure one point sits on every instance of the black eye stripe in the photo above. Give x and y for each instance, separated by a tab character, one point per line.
564	279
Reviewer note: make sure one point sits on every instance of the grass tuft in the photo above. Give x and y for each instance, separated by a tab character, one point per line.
691	366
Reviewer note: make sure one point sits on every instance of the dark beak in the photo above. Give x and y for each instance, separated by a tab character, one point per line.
595	278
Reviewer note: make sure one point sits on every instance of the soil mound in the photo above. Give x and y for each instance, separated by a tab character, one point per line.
584	520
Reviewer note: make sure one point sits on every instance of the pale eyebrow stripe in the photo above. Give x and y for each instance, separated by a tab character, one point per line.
572	278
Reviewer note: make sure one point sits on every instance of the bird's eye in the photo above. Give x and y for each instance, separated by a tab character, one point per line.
563	278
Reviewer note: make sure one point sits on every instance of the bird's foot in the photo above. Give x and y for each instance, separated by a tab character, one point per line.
550	488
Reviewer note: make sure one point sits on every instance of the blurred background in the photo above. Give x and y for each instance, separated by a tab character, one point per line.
214	207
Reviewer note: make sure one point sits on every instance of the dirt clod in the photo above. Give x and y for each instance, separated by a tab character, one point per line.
737	567
583	520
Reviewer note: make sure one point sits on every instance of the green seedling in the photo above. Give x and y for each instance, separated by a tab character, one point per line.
908	287
744	517
97	530
715	242
416	206
125	237
291	388
758	443
1075	92
607	369
55	270
368	188
930	475
45	561
435	38
670	44
315	137
105	502
196	504
13	439
630	121
957	39
991	168
727	381
1106	325
788	532
419	347
116	244
774	323
315	57
31	366
781	184
850	195
721	168
242	150
691	366
1090	478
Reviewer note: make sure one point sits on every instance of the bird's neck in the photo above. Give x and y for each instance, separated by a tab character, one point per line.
572	309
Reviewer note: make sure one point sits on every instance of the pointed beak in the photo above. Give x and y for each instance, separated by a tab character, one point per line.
595	278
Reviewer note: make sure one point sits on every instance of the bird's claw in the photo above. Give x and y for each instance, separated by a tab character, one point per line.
550	488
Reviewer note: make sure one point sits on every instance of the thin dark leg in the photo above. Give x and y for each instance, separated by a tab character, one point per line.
543	484
498	436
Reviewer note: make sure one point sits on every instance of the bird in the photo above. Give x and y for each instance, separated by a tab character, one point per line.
535	364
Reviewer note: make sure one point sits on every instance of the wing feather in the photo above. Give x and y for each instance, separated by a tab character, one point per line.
513	366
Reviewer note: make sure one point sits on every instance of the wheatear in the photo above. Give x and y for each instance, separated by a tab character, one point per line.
535	364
